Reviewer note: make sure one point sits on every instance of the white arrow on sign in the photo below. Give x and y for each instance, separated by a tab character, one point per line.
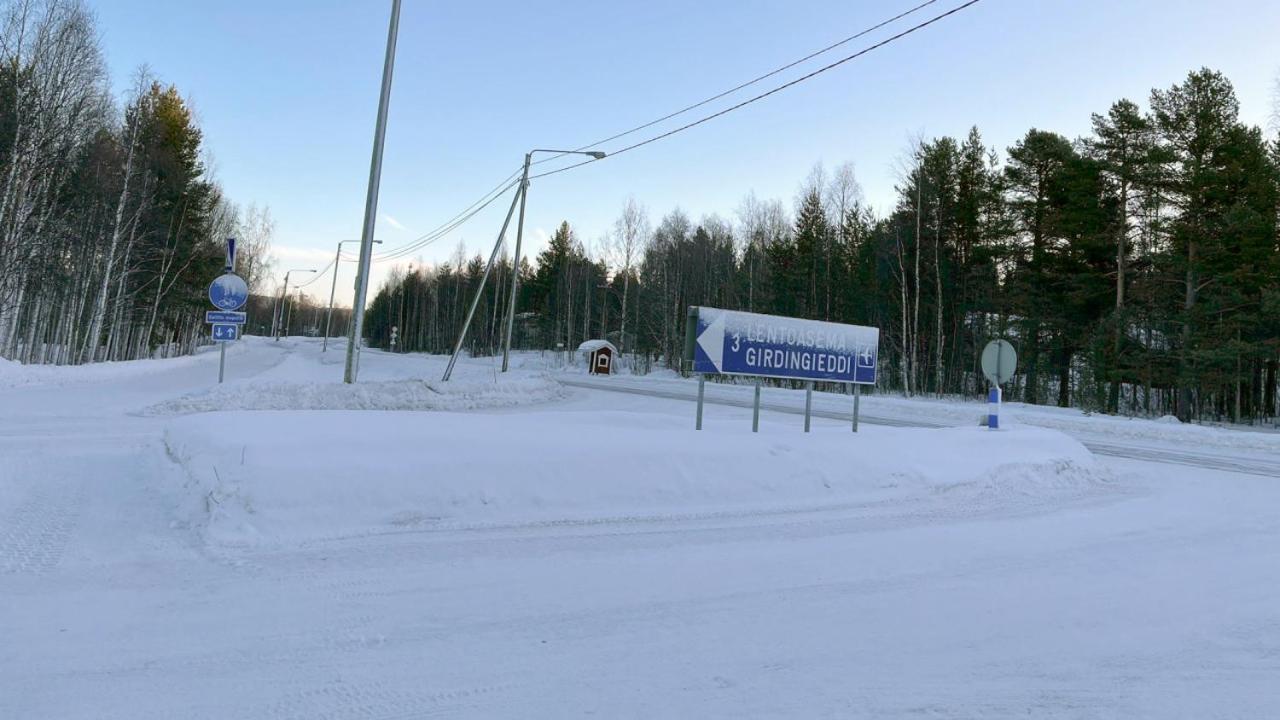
712	341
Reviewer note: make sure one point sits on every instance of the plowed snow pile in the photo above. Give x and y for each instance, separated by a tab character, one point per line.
385	395
286	477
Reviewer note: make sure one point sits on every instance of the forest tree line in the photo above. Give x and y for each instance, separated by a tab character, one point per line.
111	227
1136	270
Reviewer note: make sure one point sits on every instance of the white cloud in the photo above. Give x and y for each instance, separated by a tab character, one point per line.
393	222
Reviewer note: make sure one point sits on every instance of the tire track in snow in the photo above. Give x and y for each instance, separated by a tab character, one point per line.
378	701
34	537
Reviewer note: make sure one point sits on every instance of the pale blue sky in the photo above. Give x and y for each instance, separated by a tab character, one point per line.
286	92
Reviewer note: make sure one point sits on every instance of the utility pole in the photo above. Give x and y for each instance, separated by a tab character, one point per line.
284	288
515	277
371	202
328	318
515	268
404	291
275	318
280	303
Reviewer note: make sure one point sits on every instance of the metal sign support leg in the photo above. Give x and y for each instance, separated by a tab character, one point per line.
857	395
222	361
702	381
755	411
808	403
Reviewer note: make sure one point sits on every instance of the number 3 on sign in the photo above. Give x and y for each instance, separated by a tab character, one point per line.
737	341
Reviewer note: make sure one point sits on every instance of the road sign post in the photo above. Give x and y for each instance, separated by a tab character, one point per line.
857	395
808	403
729	342
755	409
228	293
702	385
999	362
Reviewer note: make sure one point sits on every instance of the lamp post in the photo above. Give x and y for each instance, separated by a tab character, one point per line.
288	308
371	203
284	288
515	275
328	318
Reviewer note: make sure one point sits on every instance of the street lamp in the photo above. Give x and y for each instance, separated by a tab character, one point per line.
328	318
288	307
280	303
515	275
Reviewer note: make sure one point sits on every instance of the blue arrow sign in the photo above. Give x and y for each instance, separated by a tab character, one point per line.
225	332
229	292
223	316
741	343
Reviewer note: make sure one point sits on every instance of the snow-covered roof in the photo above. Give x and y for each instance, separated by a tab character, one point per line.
594	345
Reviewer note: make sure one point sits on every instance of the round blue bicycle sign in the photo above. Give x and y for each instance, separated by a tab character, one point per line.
229	292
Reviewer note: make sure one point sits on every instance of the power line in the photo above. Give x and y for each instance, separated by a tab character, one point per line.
510	181
748	83
767	93
323	271
453	223
443	231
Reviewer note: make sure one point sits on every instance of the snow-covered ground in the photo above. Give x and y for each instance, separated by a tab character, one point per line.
285	546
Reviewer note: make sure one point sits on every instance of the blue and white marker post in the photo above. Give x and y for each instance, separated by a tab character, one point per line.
228	293
999	362
729	342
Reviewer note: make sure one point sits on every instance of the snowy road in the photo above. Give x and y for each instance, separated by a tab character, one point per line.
837	407
1153	595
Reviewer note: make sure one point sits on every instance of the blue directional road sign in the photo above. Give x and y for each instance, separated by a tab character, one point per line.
225	332
229	292
740	343
223	316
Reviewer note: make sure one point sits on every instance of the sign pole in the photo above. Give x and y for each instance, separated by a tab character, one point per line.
227	293
702	382
808	403
999	362
755	411
857	395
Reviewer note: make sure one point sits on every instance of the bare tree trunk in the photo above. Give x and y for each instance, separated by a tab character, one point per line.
904	360
1189	302
100	308
915	321
1113	403
937	278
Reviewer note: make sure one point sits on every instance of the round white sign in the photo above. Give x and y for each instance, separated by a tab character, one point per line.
999	361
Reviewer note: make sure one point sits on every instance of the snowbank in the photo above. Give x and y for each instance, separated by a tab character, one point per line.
270	478
470	394
15	374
